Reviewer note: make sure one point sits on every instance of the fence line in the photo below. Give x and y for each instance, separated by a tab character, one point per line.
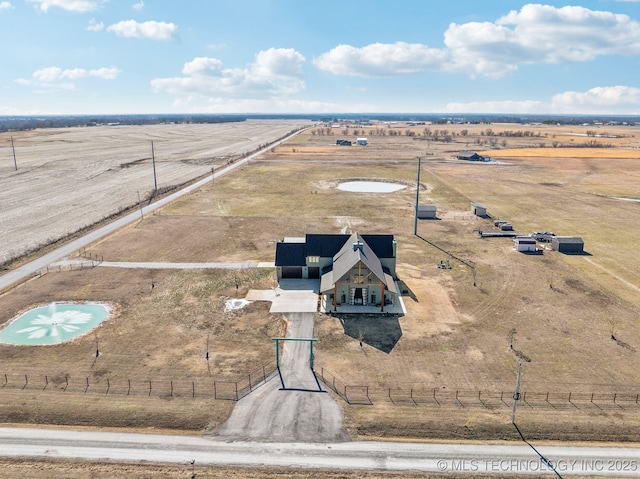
422	395
163	388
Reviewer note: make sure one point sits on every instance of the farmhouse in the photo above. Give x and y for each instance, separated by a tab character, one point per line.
427	212
343	142
354	270
469	156
567	244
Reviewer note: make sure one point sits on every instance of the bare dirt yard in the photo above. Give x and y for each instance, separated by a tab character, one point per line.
575	318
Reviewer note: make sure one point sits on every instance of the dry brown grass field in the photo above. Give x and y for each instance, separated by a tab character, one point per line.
70	178
564	309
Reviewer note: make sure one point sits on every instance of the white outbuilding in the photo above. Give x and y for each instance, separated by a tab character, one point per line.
525	244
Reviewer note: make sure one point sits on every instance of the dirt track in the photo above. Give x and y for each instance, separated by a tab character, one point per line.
71	178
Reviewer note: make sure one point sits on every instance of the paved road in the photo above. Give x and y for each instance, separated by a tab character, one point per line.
292	407
517	460
25	271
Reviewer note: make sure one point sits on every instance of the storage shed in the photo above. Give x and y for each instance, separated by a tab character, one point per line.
478	210
524	244
362	141
567	244
427	212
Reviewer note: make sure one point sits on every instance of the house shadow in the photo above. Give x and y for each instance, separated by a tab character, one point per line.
379	331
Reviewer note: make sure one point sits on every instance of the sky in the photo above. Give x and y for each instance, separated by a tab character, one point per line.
71	57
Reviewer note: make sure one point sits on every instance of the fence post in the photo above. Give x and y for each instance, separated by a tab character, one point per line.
129	388
66	385
569	397
87	388
46	382
237	398
193	389
215	393
614	397
149	387
171	391
108	386
591	397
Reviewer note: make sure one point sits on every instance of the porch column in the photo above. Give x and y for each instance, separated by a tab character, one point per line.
382	302
335	297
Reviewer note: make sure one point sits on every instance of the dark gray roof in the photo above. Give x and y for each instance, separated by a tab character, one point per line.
291	254
327	246
567	240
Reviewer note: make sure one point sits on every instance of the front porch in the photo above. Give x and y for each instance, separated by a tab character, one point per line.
397	307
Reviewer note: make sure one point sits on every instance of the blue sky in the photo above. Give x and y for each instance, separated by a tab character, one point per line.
294	56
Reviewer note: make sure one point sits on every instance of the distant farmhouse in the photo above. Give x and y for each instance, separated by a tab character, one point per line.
354	270
470	156
343	142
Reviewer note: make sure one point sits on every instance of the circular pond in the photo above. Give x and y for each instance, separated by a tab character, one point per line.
53	324
370	187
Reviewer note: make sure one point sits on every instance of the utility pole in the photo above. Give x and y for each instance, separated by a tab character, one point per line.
415	223
15	163
516	394
140	204
153	161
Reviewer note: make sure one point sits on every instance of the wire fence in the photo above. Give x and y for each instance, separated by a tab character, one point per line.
421	395
159	388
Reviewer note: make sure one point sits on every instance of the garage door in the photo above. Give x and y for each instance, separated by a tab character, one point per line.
292	272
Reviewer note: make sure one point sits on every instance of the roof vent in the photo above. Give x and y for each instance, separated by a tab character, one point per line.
357	246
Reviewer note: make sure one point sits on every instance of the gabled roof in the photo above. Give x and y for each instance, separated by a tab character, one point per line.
355	250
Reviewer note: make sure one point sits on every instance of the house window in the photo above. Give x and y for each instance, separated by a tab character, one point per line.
313	259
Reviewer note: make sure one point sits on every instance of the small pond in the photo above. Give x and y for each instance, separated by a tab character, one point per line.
370	187
53	324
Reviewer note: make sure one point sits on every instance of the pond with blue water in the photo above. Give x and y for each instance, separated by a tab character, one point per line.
54	323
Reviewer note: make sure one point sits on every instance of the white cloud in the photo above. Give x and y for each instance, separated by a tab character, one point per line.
621	99
540	34
599	100
138	6
95	26
70	5
5	6
380	59
275	72
51	74
55	78
150	30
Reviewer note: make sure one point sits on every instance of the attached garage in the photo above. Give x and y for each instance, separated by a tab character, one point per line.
567	244
292	272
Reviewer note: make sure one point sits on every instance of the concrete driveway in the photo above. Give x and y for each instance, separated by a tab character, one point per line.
292	407
291	296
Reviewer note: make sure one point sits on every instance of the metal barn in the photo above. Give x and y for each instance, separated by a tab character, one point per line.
567	244
478	210
427	212
524	244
